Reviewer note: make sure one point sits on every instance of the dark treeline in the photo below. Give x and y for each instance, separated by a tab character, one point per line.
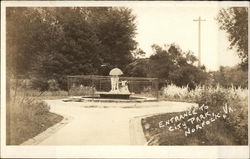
51	43
230	76
171	65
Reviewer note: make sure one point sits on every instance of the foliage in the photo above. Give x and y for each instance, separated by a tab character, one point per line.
234	21
138	68
232	130
115	28
39	83
82	91
33	93
171	65
53	85
214	97
228	76
213	134
21	38
174	92
203	93
237	122
27	117
50	43
139	53
175	66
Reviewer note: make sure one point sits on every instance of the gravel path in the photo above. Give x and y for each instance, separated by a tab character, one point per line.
103	123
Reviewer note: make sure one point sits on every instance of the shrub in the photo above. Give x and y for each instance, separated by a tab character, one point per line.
40	84
53	85
27	117
82	90
25	107
172	92
63	83
216	98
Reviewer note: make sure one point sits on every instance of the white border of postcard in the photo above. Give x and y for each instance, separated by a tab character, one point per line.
109	151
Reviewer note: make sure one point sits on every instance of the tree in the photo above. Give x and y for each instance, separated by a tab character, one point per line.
116	29
22	41
50	43
175	66
235	22
138	53
228	76
138	68
161	63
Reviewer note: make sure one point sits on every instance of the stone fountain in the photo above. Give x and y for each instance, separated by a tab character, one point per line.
119	89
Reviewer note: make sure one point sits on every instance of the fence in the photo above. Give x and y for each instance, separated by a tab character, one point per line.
88	85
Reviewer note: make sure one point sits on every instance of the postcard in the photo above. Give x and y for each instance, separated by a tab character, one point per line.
124	79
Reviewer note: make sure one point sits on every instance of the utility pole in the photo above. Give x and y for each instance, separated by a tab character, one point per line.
199	38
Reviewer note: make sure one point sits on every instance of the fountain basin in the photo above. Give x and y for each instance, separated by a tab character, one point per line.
113	95
109	100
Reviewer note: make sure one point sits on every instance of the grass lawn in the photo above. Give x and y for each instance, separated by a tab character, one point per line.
22	129
27	115
228	129
46	95
159	130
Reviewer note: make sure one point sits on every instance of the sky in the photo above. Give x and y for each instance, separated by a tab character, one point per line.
166	25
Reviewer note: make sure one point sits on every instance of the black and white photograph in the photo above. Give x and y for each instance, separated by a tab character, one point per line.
124	74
